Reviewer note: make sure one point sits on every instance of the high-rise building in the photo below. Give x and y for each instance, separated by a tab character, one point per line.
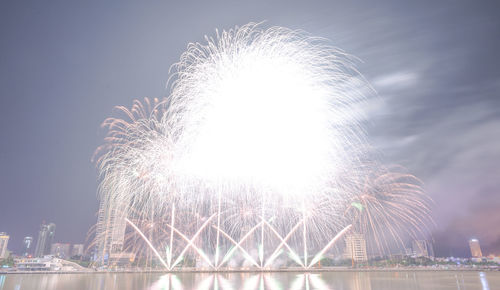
45	239
110	232
60	250
430	249
77	250
475	248
27	246
355	248
4	240
420	248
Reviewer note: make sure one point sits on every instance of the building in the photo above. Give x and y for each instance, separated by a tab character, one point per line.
420	248
77	250
47	263
27	246
122	259
430	249
110	231
475	248
60	250
4	240
45	239
355	248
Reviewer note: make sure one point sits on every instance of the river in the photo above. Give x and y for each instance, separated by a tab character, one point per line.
346	280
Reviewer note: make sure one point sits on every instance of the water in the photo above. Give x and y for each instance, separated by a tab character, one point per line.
426	280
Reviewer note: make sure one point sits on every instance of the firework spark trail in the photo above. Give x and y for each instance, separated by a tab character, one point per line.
283	243
171	237
320	253
190	243
236	246
242	240
392	202
259	122
148	242
274	255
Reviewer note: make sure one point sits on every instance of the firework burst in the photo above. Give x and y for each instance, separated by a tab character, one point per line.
258	150
392	206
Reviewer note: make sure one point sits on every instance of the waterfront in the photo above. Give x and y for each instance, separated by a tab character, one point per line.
351	280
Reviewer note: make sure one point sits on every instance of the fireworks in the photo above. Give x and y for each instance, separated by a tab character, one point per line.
258	150
392	202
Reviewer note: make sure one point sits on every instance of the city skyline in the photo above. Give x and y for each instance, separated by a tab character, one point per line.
435	115
45	244
355	245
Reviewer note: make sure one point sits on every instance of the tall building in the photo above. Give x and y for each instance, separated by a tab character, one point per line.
475	248
45	239
77	250
4	240
27	246
110	231
355	248
60	250
420	248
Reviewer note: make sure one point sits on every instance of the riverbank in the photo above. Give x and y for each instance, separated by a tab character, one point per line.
291	270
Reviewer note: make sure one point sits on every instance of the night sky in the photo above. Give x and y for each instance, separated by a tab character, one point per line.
64	66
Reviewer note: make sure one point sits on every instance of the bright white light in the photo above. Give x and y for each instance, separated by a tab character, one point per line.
266	122
270	112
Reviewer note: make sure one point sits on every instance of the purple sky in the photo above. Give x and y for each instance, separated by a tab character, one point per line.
63	67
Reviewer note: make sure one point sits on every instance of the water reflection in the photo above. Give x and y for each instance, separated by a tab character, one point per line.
324	281
261	281
484	281
347	280
360	281
168	281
